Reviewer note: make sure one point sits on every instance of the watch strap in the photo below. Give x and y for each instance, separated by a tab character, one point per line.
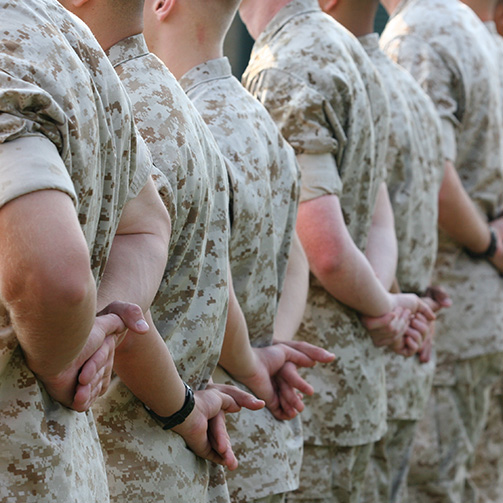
179	417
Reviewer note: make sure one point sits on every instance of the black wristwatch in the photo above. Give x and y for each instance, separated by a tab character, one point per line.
178	417
491	249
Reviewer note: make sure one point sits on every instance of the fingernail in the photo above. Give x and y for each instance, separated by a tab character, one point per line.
142	325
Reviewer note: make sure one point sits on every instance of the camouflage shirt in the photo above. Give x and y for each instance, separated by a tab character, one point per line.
264	186
65	124
302	72
415	163
191	305
448	50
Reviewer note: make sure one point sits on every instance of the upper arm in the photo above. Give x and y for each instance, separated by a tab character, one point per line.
43	252
146	214
323	233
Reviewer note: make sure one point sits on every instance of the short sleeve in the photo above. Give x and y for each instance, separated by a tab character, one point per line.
439	78
319	176
165	191
304	117
29	164
144	165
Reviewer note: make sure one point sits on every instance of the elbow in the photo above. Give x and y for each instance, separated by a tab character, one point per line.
328	264
50	285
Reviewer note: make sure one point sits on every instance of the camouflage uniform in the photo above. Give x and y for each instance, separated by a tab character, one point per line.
65	124
415	162
302	71
487	469
146	463
264	181
447	49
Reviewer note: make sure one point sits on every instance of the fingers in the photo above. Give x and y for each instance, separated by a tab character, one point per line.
220	441
378	323
299	358
425	310
290	375
239	397
290	402
131	315
313	352
426	350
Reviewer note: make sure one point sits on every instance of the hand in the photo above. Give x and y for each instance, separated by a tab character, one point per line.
268	381
414	337
388	330
204	429
437	298
88	377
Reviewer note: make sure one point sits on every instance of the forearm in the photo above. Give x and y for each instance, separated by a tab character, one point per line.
458	217
237	356
356	285
294	294
145	365
382	249
134	270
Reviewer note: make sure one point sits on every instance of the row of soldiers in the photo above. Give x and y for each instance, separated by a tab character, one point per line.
218	294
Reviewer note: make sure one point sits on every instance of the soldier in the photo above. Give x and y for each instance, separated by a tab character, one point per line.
190	307
448	50
487	469
302	71
415	167
67	133
263	175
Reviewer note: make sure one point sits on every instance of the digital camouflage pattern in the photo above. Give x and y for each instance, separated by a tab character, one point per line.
378	100
415	164
448	51
146	463
332	474
65	124
300	69
386	477
487	469
448	434
263	178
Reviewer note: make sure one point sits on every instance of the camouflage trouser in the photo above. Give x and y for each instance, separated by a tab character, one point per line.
487	469
386	478
332	474
448	434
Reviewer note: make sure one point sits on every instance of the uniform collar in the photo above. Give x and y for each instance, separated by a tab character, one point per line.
215	69
370	42
285	15
491	26
127	49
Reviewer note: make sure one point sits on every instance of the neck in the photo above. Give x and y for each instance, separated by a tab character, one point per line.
108	27
357	16
257	14
181	49
390	5
483	8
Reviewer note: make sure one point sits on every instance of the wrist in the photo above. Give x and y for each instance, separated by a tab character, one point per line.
489	251
178	417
